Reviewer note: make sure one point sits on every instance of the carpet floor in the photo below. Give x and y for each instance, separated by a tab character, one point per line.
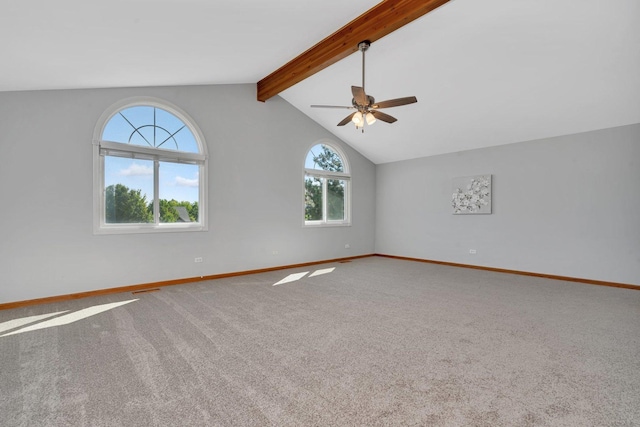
373	342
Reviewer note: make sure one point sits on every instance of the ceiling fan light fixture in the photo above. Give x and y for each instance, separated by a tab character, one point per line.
370	118
357	118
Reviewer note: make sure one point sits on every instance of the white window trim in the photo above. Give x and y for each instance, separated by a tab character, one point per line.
102	148
319	173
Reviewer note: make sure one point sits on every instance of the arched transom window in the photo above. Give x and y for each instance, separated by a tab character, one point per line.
327	186
149	170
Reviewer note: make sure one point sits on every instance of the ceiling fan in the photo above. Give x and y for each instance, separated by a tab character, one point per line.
367	109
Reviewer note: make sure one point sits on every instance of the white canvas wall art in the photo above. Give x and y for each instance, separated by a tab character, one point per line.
471	195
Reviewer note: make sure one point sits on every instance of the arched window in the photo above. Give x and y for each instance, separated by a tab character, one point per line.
327	186
150	168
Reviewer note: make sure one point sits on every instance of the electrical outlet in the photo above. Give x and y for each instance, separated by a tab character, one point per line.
347	246
472	251
198	259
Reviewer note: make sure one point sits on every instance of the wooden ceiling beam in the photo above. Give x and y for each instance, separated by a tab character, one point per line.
377	22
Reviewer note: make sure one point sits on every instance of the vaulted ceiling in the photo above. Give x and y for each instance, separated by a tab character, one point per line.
485	72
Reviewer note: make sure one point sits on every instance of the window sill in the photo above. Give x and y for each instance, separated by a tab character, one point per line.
325	224
149	229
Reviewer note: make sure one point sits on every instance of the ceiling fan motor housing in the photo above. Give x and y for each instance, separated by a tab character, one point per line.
370	101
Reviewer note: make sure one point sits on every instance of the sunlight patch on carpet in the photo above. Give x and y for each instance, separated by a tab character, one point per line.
297	276
291	278
321	272
68	318
16	323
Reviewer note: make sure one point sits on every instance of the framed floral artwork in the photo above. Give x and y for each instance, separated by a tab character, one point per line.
471	195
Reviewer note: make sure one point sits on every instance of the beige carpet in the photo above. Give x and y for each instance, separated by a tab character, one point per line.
375	342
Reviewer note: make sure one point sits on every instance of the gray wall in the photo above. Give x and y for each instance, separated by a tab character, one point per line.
566	206
256	154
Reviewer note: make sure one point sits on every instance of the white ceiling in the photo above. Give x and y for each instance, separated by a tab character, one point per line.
485	72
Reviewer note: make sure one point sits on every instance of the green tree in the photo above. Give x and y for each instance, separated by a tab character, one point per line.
329	160
168	212
313	198
193	211
124	205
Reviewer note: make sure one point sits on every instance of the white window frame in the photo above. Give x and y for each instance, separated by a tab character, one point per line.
326	175
102	148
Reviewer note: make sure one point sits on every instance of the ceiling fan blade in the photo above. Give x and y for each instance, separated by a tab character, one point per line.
333	106
359	95
346	119
382	116
395	102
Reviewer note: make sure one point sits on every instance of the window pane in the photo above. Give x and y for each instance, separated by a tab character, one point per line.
312	198
335	199
150	127
322	157
179	192
180	137
128	190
